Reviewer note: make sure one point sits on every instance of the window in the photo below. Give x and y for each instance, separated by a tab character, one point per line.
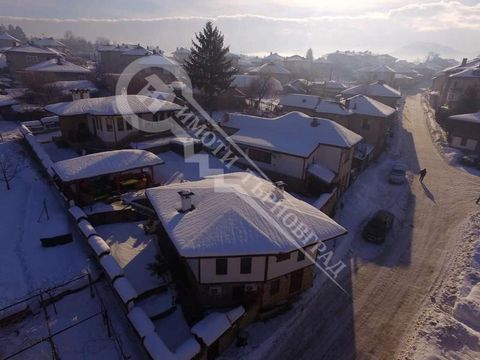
109	124
283	257
365	124
245	265
120	125
301	255
463	142
127	122
221	266
260	155
100	124
32	59
275	287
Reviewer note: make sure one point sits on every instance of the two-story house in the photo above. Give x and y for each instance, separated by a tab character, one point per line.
23	56
311	155
378	90
459	83
464	131
111	122
57	69
234	245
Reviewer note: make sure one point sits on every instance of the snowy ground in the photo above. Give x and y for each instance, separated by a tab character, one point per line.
439	138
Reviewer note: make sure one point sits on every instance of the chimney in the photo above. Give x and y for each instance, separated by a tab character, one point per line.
59	60
78	94
464	61
314	122
186	198
279	190
226	117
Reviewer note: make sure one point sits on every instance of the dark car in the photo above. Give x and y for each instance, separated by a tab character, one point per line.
378	227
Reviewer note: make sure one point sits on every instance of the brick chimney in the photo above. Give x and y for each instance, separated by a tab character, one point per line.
78	94
464	61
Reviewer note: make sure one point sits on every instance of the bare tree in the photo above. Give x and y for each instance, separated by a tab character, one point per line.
9	169
262	87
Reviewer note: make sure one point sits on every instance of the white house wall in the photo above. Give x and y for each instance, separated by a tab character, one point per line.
279	268
209	276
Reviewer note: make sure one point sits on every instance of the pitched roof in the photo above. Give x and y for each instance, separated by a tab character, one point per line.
472	118
7	36
378	88
156	59
58	66
7	100
47	42
270	68
313	102
470	72
229	220
294	133
361	104
112	105
103	163
31	49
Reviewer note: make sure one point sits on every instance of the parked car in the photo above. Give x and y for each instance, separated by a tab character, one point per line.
378	227
398	173
470	160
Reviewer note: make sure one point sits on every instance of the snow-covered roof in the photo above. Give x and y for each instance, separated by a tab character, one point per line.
140	321
137	51
58	66
364	105
124	289
156	60
157	349
473	118
378	88
334	84
7	36
86	228
6	100
67	85
103	163
294	133
468	73
321	172
271	69
32	50
111	267
112	105
228	220
332	107
120	48
98	245
235	314
299	101
379	69
47	42
211	327
273	57
77	213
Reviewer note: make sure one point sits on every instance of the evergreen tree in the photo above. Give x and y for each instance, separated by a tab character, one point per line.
207	66
309	55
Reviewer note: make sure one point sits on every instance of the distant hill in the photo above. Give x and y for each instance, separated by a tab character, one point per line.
419	50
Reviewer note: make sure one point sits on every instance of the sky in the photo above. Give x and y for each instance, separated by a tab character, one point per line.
258	27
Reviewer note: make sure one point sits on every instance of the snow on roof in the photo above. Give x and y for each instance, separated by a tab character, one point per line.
321	172
137	51
273	57
98	245
294	133
124	289
112	105
378	88
270	68
333	84
77	213
86	228
156	59
7	36
58	66
211	327
68	85
229	221
473	118
31	49
235	314
47	42
300	101
381	68
156	348
111	267
26	108
361	104
6	100
103	163
120	48
141	321
188	349
332	107
470	72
